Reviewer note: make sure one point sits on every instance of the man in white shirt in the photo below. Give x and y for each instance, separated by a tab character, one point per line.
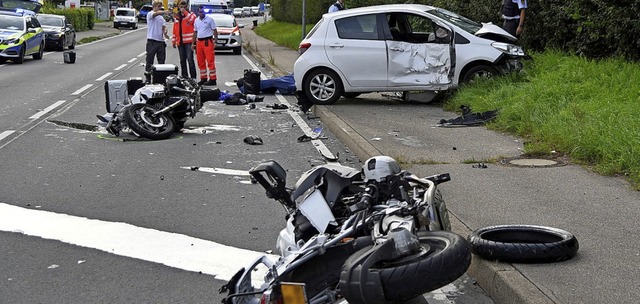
204	39
156	30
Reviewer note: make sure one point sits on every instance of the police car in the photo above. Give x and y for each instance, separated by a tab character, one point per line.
20	32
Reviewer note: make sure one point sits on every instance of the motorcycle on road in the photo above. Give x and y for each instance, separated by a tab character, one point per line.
376	235
156	109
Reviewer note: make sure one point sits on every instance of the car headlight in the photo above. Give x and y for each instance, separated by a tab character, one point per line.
10	41
508	48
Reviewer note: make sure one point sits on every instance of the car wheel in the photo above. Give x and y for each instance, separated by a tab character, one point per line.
20	58
40	53
479	71
63	40
237	51
323	86
73	43
115	26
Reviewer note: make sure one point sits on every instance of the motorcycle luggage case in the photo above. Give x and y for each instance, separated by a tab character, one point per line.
133	84
159	72
116	94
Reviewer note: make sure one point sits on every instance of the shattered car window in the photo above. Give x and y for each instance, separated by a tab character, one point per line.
464	23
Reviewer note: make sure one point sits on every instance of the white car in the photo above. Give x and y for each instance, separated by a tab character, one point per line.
125	17
238	13
229	36
399	47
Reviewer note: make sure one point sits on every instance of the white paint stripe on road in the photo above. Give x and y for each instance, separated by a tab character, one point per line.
141	54
104	76
47	109
171	249
132	60
219	171
82	89
4	134
122	66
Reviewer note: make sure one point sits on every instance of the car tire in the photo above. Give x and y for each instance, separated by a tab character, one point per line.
523	244
323	86
237	51
478	71
40	53
73	43
20	58
351	94
62	42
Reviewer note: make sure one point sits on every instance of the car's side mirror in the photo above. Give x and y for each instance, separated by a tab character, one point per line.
31	30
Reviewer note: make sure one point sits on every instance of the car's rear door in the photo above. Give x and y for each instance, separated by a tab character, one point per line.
355	46
420	51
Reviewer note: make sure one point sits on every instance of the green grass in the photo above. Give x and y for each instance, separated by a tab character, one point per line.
285	34
588	111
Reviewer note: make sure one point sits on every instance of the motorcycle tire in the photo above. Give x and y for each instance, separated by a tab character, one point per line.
523	244
369	277
142	123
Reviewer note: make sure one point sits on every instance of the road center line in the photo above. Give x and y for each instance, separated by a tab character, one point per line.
122	66
219	171
82	89
141	54
171	249
132	60
104	76
47	109
4	134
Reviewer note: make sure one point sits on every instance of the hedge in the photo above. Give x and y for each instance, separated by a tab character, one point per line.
594	29
83	19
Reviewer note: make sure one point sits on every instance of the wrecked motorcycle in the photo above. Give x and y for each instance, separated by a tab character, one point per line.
156	109
378	235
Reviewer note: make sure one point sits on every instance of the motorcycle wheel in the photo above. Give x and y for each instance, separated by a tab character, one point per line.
523	244
140	120
369	277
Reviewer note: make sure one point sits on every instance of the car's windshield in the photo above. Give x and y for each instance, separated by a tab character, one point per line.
50	21
11	23
209	8
460	21
29	5
223	20
125	13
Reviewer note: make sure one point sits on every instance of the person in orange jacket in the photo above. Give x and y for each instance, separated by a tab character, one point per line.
183	38
204	37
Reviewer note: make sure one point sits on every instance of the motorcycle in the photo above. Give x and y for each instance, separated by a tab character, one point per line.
157	108
373	236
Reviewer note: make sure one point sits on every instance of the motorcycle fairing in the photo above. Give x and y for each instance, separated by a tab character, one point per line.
316	209
330	178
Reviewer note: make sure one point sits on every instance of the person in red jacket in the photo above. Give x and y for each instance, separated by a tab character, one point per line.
204	37
183	38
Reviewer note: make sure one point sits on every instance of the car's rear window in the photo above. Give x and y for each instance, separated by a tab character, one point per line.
125	13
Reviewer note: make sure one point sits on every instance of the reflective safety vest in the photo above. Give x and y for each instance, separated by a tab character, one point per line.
183	29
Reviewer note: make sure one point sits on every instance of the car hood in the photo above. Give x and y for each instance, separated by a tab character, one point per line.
52	29
8	34
32	5
489	30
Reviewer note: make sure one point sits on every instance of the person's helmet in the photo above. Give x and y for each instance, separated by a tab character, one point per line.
379	167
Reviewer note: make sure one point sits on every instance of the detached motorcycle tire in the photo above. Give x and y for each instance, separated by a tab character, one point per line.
369	277
523	244
141	121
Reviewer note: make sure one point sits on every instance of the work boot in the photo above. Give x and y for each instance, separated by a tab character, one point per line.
202	81
211	82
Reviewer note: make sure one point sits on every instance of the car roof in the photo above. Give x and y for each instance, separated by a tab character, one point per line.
406	8
50	15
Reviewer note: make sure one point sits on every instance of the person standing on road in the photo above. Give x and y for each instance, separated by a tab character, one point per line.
156	29
183	39
338	6
204	37
513	12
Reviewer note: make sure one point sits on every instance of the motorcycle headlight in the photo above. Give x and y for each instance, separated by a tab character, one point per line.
509	49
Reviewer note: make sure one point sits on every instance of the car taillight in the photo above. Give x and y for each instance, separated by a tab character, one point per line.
303	47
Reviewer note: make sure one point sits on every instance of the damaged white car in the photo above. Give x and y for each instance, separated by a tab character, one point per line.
399	48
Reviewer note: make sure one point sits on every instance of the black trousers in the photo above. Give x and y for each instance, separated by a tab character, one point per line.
155	49
511	26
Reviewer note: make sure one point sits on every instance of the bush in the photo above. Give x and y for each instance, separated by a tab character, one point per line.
83	19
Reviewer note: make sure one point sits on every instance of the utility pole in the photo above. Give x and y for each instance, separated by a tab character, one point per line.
304	17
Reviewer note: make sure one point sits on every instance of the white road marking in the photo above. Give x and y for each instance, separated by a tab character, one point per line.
122	66
104	76
47	109
4	134
81	89
132	60
219	171
171	249
318	144
142	54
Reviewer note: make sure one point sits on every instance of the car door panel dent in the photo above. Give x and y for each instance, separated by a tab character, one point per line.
419	64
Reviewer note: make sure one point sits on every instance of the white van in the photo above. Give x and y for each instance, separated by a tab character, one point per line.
125	17
210	6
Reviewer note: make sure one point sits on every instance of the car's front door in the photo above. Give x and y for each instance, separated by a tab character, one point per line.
420	52
355	46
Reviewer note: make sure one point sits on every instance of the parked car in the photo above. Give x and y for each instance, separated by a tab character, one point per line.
247	11
125	17
229	36
255	11
238	12
401	47
20	32
60	32
142	15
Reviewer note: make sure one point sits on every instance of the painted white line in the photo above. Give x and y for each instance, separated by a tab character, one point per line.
47	109
142	54
104	76
219	171
81	89
318	144
132	60
120	67
4	134
171	249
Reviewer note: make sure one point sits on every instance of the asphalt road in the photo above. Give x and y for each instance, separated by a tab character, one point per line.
87	217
